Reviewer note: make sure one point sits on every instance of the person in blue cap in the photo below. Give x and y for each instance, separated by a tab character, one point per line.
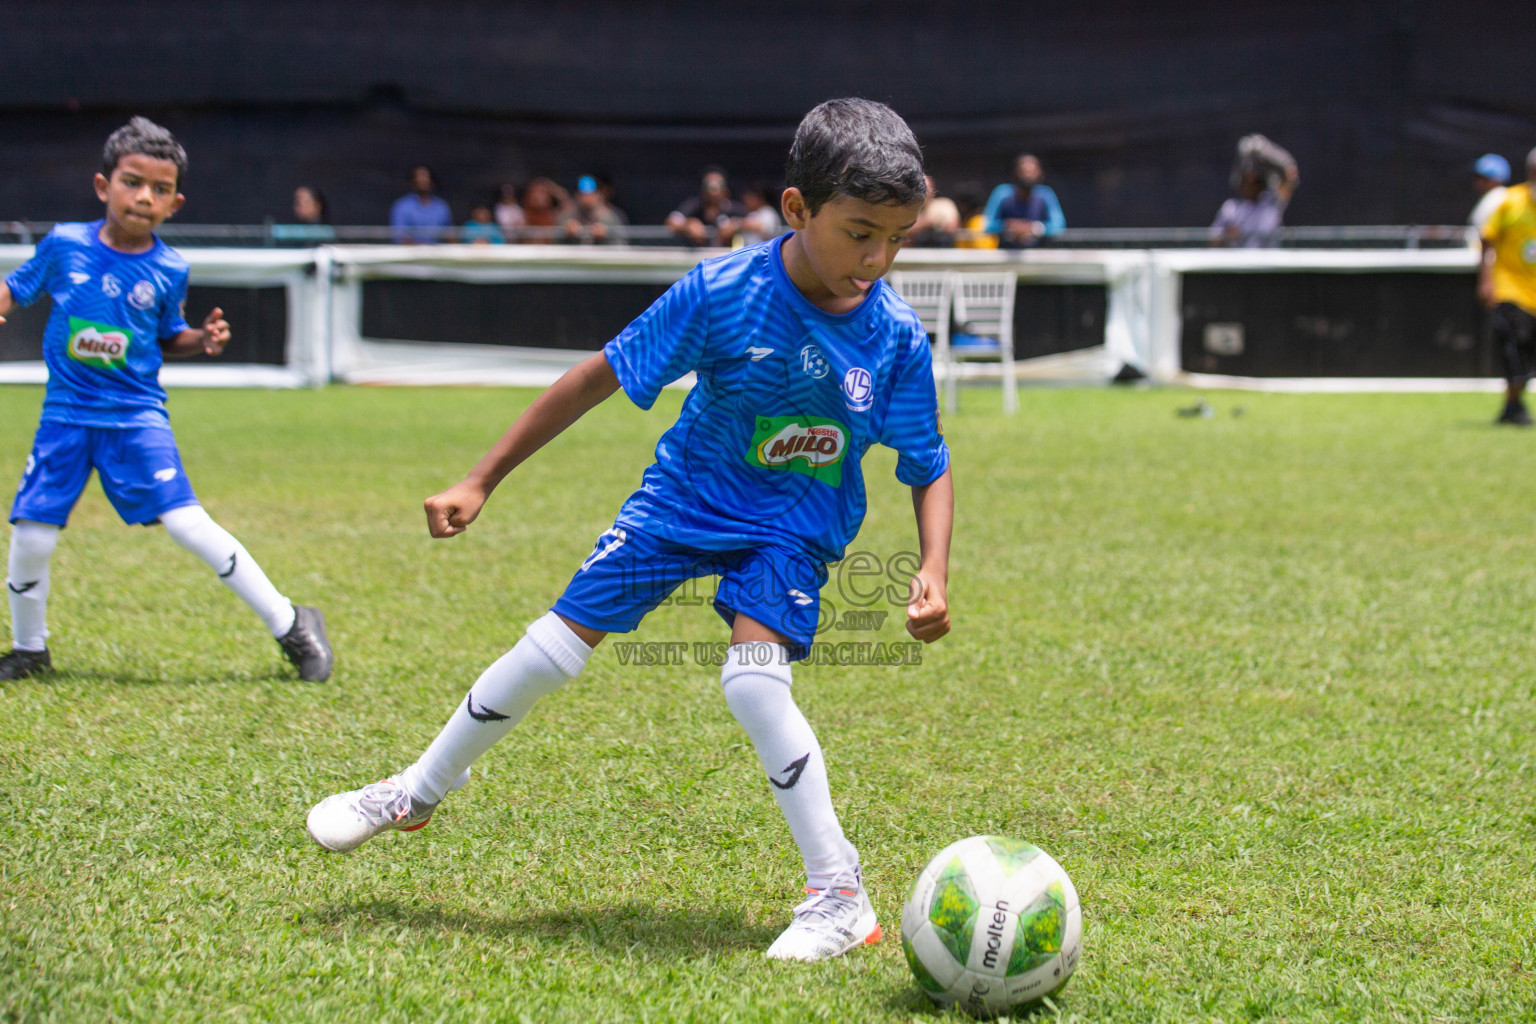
1490	175
592	218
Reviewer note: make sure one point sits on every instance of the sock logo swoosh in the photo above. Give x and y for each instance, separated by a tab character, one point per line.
23	588
227	573
485	714
795	769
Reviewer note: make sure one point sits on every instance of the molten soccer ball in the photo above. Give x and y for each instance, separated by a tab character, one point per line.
992	925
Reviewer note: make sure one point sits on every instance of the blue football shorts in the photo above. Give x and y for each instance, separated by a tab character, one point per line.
629	573
140	470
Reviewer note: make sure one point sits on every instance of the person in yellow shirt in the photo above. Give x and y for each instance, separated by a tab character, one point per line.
1506	284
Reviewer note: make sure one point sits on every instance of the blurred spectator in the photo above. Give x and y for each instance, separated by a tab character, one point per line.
310	207
710	218
509	215
591	217
1489	176
1506	284
938	222
421	216
1032	214
1264	177
761	221
311	219
481	228
545	205
973	218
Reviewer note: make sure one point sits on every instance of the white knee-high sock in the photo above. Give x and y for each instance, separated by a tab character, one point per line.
547	655
195	530
760	698
26	582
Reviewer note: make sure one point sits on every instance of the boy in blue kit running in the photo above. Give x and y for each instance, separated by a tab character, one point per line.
117	295
804	359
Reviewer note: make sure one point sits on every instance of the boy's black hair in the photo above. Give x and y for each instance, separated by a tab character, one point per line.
858	148
142	137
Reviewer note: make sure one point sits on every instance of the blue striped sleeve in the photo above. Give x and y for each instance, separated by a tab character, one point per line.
912	421
172	313
663	343
28	281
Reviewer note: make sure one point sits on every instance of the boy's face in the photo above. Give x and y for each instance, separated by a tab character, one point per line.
849	244
140	194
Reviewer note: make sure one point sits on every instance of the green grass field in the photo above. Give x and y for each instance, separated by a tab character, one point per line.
1263	685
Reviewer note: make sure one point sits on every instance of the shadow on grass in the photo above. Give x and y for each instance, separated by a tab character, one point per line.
140	677
911	1002
628	929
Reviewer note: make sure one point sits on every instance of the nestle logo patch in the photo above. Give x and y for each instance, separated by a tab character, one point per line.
100	345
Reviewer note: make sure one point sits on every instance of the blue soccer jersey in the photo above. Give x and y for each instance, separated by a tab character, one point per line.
110	311
789	397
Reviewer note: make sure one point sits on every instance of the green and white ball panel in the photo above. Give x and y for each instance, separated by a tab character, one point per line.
992	923
934	967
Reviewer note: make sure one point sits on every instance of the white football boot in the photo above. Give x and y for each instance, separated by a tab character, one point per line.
343	822
829	923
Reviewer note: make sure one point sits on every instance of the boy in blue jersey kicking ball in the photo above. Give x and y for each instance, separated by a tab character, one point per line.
804	359
117	295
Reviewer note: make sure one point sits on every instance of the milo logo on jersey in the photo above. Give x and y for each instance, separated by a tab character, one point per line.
800	444
99	345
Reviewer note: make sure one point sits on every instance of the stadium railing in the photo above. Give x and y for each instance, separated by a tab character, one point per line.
275	235
1313	319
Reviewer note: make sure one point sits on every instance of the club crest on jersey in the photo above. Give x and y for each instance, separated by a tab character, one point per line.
813	362
800	444
99	345
858	389
142	296
111	287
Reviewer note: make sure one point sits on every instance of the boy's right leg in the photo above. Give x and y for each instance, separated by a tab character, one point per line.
56	472
626	576
550	653
26	584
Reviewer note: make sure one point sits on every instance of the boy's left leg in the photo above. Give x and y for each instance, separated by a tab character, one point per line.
142	475
838	915
772	599
298	629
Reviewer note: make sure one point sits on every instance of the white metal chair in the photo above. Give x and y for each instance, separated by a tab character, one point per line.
983	307
931	294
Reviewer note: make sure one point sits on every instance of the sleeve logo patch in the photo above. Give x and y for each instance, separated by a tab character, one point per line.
800	444
99	345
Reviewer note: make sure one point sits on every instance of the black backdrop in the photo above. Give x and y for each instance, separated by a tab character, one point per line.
1133	106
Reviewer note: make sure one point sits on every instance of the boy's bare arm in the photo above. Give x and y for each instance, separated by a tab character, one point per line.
7	302
928	607
583	386
209	339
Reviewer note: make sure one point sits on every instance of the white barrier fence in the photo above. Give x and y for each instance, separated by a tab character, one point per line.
325	339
